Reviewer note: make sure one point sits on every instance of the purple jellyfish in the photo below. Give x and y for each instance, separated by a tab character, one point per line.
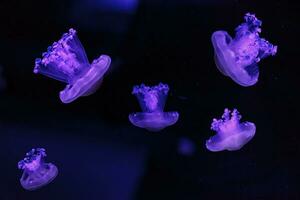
238	58
231	133
152	101
186	147
36	173
66	61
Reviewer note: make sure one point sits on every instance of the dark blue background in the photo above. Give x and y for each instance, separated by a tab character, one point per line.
99	154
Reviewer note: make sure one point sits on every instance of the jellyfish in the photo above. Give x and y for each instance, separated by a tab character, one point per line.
36	173
186	147
231	133
152	101
66	61
238	58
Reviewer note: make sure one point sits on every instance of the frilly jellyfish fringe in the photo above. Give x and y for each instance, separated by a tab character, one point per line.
36	173
152	101
66	61
231	133
238	58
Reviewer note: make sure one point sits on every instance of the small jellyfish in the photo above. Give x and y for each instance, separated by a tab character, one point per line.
231	133
152	101
66	61
36	173
186	147
238	58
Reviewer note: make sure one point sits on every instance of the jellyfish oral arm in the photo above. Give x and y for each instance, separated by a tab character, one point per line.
151	99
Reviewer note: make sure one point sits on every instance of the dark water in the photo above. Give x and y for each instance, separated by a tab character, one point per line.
99	154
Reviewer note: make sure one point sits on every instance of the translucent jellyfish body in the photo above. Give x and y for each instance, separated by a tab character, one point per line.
238	58
36	173
66	61
231	133
152	101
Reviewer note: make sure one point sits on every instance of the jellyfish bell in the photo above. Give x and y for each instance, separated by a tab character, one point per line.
225	61
238	58
231	133
231	142
89	83
154	121
152	101
66	61
36	173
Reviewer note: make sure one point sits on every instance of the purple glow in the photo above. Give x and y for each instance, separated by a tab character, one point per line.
114	5
186	147
238	57
152	101
66	61
36	173
231	133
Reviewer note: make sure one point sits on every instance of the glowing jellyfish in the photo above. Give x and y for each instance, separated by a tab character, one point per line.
231	133
36	173
152	101
66	61
238	57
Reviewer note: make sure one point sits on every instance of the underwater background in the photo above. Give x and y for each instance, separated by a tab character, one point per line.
98	152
